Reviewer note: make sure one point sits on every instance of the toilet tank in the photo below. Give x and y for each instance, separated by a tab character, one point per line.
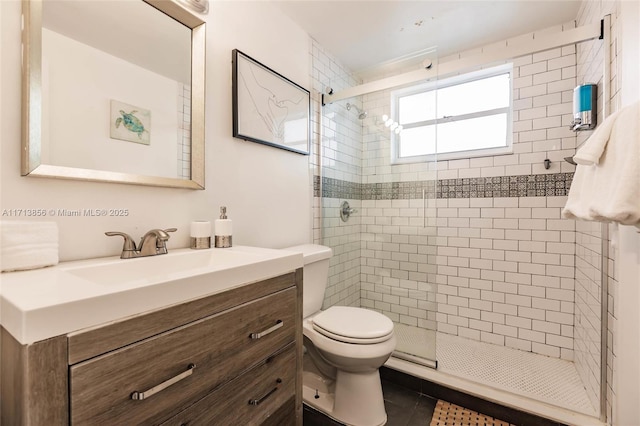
315	275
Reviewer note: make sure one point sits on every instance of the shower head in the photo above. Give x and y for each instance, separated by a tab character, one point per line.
361	114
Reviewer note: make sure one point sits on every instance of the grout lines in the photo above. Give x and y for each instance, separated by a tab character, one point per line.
534	376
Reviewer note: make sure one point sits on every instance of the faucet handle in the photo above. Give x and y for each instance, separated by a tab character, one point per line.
129	245
161	244
160	236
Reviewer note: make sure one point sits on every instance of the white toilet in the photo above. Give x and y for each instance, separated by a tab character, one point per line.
345	347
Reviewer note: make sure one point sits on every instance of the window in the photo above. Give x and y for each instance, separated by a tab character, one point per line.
459	117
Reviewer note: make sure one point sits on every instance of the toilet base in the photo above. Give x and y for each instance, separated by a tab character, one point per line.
352	399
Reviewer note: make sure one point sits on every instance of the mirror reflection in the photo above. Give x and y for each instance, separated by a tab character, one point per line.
117	94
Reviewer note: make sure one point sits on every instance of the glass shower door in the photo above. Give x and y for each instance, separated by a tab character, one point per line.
385	252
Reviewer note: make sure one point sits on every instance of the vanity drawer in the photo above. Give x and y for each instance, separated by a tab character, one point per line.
219	346
249	399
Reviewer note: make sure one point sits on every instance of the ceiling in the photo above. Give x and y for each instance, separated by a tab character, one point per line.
366	35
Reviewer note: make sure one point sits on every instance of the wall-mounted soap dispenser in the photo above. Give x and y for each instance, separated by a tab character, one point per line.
585	107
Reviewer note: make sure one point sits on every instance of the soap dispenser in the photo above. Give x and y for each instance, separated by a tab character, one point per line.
223	230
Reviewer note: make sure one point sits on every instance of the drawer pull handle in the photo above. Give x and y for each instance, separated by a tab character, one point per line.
265	396
279	324
139	396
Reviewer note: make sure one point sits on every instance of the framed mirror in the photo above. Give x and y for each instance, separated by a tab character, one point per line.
113	92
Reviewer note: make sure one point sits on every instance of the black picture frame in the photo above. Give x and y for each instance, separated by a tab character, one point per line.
268	108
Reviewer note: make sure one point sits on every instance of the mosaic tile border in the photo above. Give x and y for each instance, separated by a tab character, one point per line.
541	185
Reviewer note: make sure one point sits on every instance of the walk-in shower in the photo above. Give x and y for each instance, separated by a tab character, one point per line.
485	281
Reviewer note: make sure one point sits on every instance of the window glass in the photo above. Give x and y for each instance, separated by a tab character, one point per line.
460	117
475	133
480	95
418	107
418	141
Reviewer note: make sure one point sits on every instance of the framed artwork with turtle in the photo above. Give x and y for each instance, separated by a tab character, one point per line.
130	123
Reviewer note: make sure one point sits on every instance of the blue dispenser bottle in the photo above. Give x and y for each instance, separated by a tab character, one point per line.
585	107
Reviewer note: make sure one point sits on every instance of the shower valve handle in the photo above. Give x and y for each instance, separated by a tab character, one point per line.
346	211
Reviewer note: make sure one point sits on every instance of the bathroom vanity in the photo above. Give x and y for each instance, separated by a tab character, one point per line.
218	342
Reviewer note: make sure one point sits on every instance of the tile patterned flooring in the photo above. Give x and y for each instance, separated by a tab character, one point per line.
407	405
404	408
550	380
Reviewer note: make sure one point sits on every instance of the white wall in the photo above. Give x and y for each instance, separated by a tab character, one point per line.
266	190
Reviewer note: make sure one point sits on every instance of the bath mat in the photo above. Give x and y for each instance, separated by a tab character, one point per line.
447	414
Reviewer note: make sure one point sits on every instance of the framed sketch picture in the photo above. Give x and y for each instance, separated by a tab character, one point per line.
268	108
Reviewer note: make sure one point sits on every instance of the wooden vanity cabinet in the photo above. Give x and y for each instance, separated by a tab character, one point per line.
230	358
249	399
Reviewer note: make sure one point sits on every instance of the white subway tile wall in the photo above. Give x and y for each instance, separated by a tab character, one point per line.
502	268
506	270
590	59
498	280
341	151
184	131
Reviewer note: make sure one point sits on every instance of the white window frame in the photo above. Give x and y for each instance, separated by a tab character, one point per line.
446	82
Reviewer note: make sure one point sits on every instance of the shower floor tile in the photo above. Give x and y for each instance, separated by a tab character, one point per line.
550	380
415	341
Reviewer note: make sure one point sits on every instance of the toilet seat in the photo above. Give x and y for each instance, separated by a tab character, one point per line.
353	325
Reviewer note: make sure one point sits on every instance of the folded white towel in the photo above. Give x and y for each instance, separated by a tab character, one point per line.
28	245
594	147
608	189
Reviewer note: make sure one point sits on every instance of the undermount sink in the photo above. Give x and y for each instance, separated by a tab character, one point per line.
163	267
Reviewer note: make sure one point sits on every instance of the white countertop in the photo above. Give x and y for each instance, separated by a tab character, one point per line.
43	303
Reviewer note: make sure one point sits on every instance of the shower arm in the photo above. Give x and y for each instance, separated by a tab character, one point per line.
362	114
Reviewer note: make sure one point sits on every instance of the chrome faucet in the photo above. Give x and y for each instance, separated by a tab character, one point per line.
153	243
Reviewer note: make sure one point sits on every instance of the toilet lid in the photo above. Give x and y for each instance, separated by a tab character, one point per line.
353	325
